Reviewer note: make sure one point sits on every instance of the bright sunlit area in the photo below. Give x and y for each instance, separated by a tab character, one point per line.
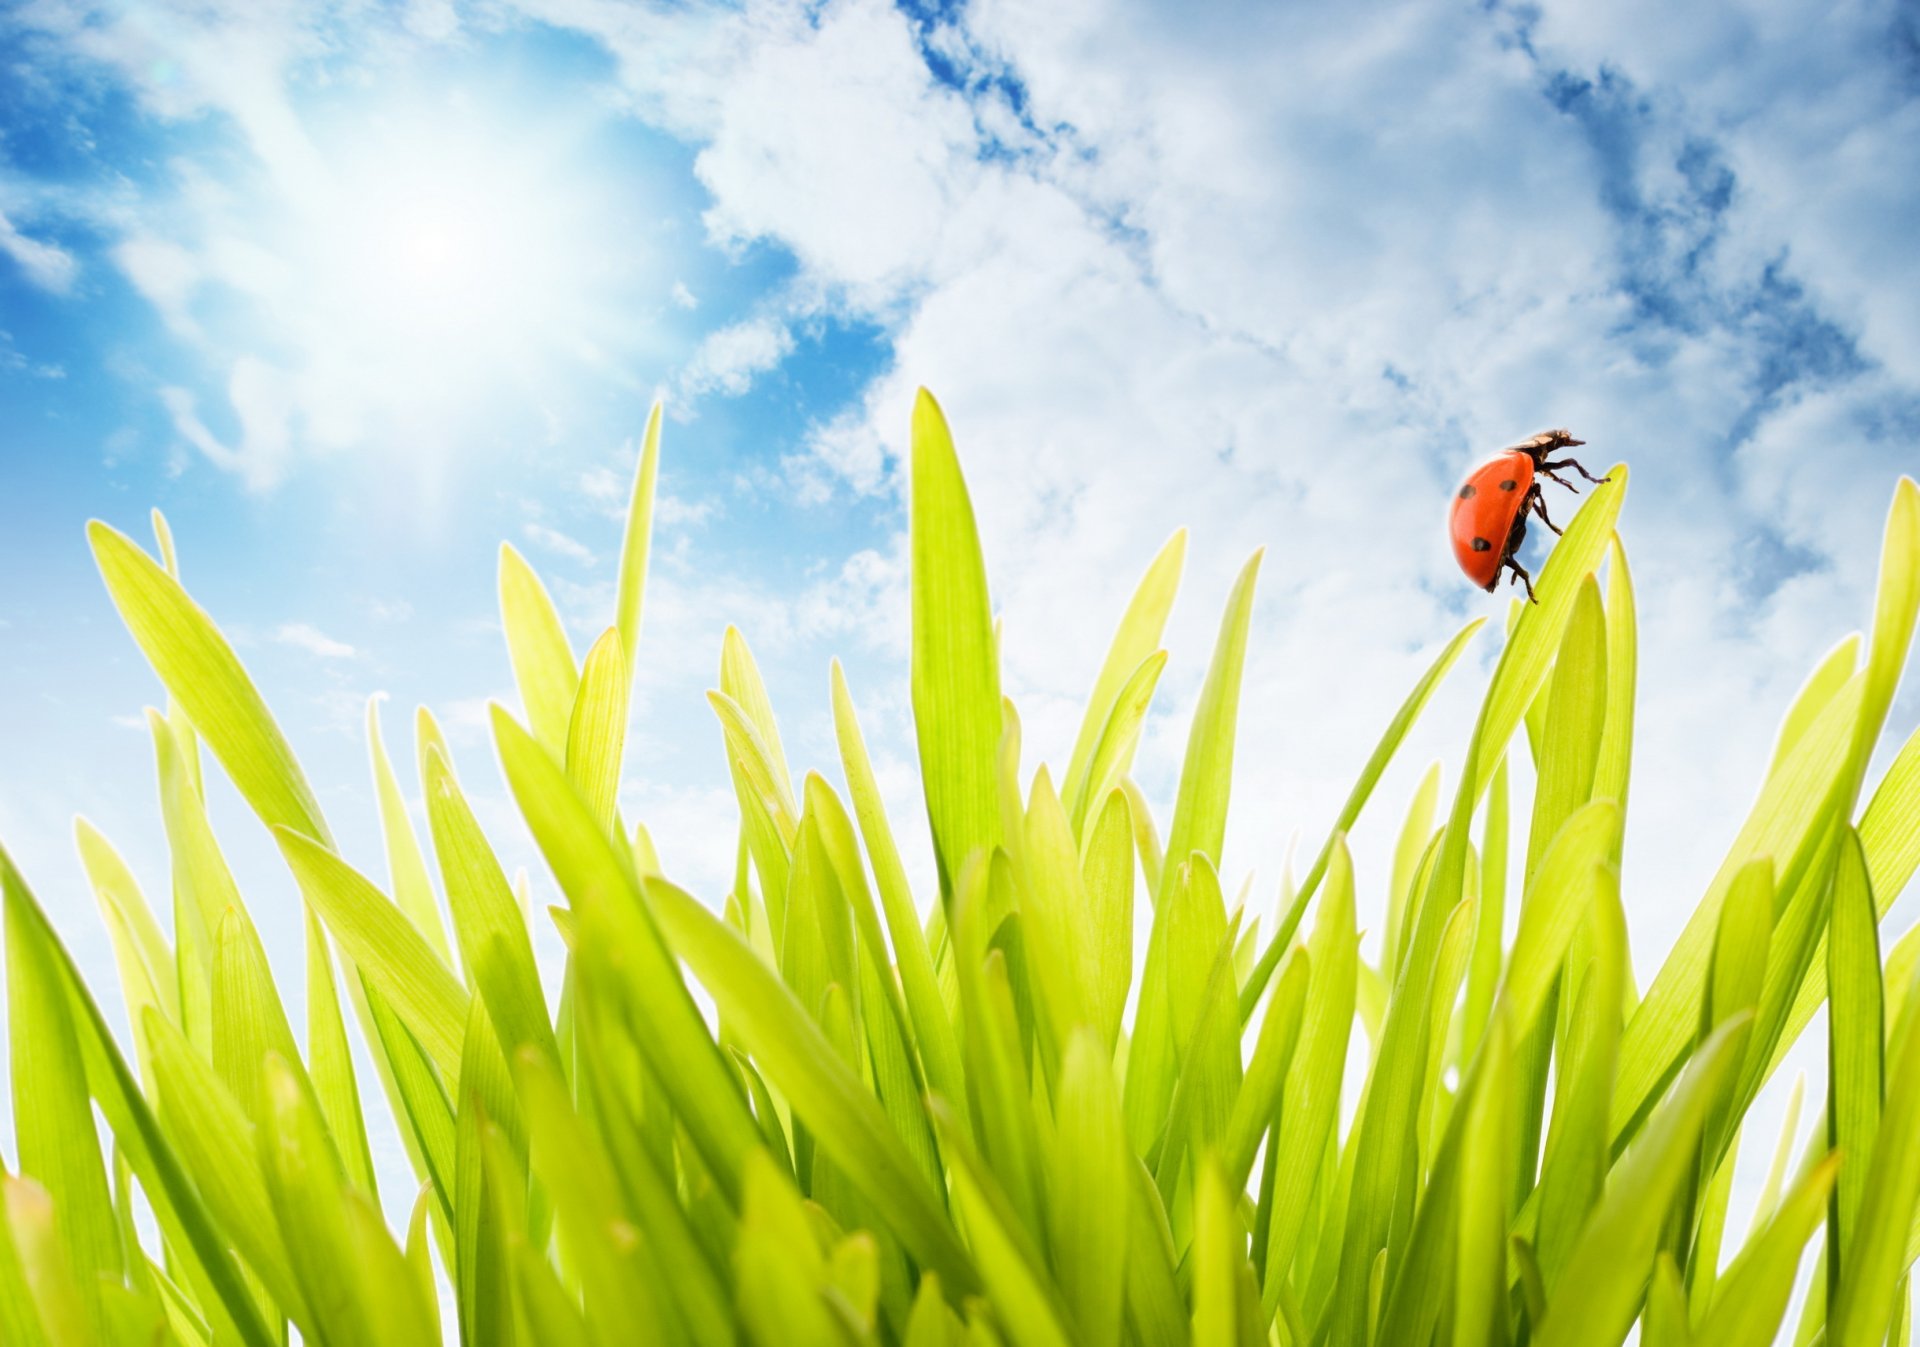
903	674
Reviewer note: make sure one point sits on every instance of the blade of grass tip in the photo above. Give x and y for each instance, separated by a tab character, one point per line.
1025	1301
1751	1298
183	1218
304	1185
846	1120
1087	1208
203	886
146	963
1614	759
932	1029
1146	839
53	1120
495	946
955	664
597	732
1896	611
1134	642
176	716
761	773
1856	1045
384	946
629	953
780	1267
202	673
395	1298
1107	876
1606	1274
331	1059
1822	686
1875	1261
1119	738
1357	798
1789	806
741	682
1309	1107
543	663
1416	838
1059	941
637	541
1570	743
216	1142
406	863
1769	1198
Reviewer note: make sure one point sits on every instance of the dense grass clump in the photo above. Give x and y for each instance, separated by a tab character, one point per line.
980	1115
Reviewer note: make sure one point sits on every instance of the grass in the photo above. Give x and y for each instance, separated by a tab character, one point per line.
980	1115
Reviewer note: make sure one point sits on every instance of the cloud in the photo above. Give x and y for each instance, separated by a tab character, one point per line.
302	636
729	358
555	541
47	265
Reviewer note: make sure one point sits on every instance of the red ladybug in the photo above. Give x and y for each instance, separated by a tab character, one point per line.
1489	517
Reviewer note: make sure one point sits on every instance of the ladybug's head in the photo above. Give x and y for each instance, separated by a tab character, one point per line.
1545	443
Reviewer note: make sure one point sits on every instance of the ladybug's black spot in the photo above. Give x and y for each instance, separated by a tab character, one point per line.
1508	485
1467	492
1482	545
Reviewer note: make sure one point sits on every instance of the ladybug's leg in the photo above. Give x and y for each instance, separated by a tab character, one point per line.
1538	501
1520	574
1575	465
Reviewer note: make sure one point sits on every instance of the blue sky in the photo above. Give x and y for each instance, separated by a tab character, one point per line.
355	292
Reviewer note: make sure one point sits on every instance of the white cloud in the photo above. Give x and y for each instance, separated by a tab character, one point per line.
729	358
47	265
682	297
555	541
303	636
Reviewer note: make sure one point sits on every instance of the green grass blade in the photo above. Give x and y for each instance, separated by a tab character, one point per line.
1822	686
1606	1274
1751	1298
406	863
597	731
1257	1101
1134	644
1119	737
955	665
202	673
331	1061
636	542
1087	1218
384	946
1614	760
543	663
1856	1046
845	1120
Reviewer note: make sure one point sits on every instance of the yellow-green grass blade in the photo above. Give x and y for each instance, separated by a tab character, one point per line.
1114	750
406	863
205	677
1415	842
933	1033
20	1322
1484	964
741	684
330	1061
597	731
1570	877
395	1298
1570	744
1487	1164
1665	1323
419	1100
203	886
781	1269
1787	811
1614	760
798	1060
1896	611
626	953
384	946
1751	1297
1309	1106
495	945
1059	942
543	663
1822	686
1856	1046
216	1142
1134	643
1376	765
182	1215
1107	870
175	716
955	661
148	975
306	1189
53	1122
488	1203
1874	1262
1218	1244
1607	1271
1574	1170
1091	1172
1257	1101
58	1305
1201	1021
630	590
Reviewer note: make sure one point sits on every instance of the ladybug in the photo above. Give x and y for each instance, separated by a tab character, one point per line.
1489	516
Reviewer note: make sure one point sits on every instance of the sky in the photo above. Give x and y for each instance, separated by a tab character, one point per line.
355	292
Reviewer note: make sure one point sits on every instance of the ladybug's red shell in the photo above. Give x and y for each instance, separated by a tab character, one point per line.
1483	512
